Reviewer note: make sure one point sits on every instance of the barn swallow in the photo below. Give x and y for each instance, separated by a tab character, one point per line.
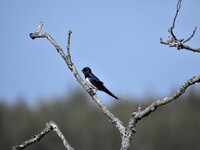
94	82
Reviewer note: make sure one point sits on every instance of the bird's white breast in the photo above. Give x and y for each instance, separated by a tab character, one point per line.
88	81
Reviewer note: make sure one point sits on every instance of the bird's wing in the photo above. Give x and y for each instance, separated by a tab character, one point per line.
95	79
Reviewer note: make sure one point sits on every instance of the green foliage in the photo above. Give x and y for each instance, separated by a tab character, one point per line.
174	126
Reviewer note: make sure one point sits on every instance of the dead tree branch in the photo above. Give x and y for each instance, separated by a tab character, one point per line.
173	41
168	99
138	115
126	132
51	126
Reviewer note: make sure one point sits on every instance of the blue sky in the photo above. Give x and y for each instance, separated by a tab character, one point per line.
118	40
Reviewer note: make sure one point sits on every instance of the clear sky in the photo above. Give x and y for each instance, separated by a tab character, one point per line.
117	39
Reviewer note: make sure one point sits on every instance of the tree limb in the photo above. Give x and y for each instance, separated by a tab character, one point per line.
139	114
168	99
173	41
51	126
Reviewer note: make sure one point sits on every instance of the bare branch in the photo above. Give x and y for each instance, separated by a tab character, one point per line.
62	137
39	28
191	49
36	138
173	41
178	45
178	7
68	44
138	115
169	99
189	38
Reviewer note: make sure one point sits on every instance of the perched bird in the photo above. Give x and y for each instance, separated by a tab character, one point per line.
94	82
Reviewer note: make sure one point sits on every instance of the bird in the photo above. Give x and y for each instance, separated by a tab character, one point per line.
94	82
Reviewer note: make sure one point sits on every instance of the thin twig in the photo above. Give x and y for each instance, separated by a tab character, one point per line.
68	44
189	38
178	7
39	28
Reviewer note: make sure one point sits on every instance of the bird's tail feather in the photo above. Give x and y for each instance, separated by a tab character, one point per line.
108	92
103	88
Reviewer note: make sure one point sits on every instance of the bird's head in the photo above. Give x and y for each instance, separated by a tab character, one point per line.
86	71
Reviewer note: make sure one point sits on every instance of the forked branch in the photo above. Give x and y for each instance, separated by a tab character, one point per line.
51	126
179	43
